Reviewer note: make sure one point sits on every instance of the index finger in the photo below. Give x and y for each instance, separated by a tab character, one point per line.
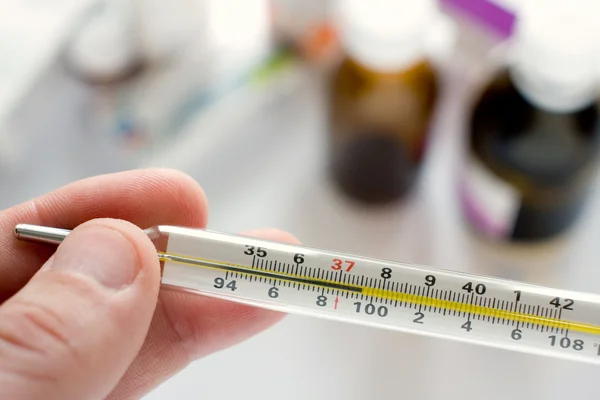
143	197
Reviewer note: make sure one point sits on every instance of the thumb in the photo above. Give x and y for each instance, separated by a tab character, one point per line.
74	329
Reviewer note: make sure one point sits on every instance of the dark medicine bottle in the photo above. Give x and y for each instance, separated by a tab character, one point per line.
534	134
381	99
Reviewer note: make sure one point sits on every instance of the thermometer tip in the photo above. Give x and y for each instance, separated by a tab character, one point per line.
39	233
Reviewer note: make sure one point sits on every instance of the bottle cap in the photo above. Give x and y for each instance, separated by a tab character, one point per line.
385	35
238	34
105	46
555	54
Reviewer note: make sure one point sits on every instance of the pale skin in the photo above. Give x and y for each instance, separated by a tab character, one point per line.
86	319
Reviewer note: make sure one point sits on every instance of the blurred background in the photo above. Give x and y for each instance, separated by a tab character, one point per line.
460	134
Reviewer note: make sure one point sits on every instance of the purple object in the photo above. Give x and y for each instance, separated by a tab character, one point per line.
490	14
478	218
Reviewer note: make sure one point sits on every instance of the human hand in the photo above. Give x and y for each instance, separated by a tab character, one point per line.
91	323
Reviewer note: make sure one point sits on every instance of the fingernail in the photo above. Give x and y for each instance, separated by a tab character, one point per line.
100	253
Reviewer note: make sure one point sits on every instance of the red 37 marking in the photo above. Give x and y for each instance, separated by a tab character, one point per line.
338	264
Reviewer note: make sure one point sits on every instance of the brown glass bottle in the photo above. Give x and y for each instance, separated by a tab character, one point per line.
546	159
379	127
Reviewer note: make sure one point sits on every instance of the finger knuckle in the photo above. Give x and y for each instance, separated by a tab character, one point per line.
35	329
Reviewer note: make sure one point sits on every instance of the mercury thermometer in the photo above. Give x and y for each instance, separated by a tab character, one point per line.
383	294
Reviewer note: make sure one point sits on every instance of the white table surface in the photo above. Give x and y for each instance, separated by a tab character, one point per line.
272	175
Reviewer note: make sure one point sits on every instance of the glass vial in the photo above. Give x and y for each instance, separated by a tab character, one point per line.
534	129
381	98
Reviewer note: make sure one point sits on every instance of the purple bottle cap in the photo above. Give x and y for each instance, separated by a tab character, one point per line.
488	13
